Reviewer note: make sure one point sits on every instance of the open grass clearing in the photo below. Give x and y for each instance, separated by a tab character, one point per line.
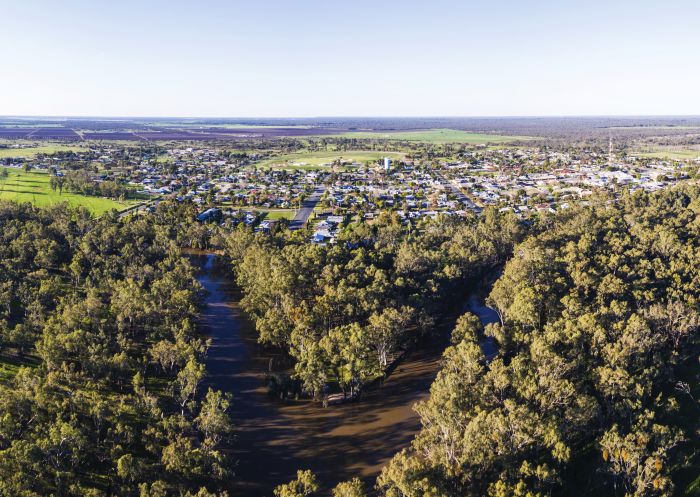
677	153
34	187
277	214
34	150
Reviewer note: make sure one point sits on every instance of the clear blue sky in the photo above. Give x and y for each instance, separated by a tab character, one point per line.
349	58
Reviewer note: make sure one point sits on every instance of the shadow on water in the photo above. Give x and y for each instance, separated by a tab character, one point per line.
475	305
275	438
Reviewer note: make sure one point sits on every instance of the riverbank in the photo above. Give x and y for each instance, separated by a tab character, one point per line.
275	438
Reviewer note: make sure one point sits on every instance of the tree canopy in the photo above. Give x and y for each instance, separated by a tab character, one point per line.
101	391
345	311
594	389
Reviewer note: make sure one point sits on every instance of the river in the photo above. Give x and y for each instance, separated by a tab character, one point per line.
275	438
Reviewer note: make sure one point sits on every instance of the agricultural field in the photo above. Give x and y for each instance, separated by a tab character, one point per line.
322	160
39	133
679	153
32	125
198	125
660	127
34	187
197	130
436	136
34	150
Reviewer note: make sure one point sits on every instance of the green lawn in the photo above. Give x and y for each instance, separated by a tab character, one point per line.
276	214
436	136
34	187
321	160
38	149
679	153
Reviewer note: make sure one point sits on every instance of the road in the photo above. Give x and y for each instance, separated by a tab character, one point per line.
136	208
307	207
302	215
459	194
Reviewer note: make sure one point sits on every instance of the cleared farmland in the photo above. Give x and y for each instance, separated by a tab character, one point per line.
674	153
435	136
33	187
33	151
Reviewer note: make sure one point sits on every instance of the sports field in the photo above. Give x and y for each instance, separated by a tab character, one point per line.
438	136
34	187
322	160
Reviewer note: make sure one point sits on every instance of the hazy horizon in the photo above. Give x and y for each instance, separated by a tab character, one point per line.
349	116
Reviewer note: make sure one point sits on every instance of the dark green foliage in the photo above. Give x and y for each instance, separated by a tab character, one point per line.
345	311
594	390
99	311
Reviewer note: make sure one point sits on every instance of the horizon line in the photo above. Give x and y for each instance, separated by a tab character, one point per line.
493	116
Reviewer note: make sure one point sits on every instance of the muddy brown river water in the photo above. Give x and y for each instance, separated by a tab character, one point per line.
275	437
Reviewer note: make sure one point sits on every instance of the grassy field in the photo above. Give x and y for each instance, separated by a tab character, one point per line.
276	214
437	136
34	187
33	151
678	153
321	160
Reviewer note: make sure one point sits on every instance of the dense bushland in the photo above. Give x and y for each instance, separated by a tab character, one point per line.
101	364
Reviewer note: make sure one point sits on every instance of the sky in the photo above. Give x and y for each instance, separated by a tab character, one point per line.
295	58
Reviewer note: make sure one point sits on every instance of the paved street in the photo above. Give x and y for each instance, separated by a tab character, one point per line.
459	194
307	207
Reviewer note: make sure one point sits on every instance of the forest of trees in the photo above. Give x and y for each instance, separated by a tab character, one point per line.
101	391
345	311
594	390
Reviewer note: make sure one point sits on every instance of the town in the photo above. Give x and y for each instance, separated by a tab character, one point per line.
253	184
